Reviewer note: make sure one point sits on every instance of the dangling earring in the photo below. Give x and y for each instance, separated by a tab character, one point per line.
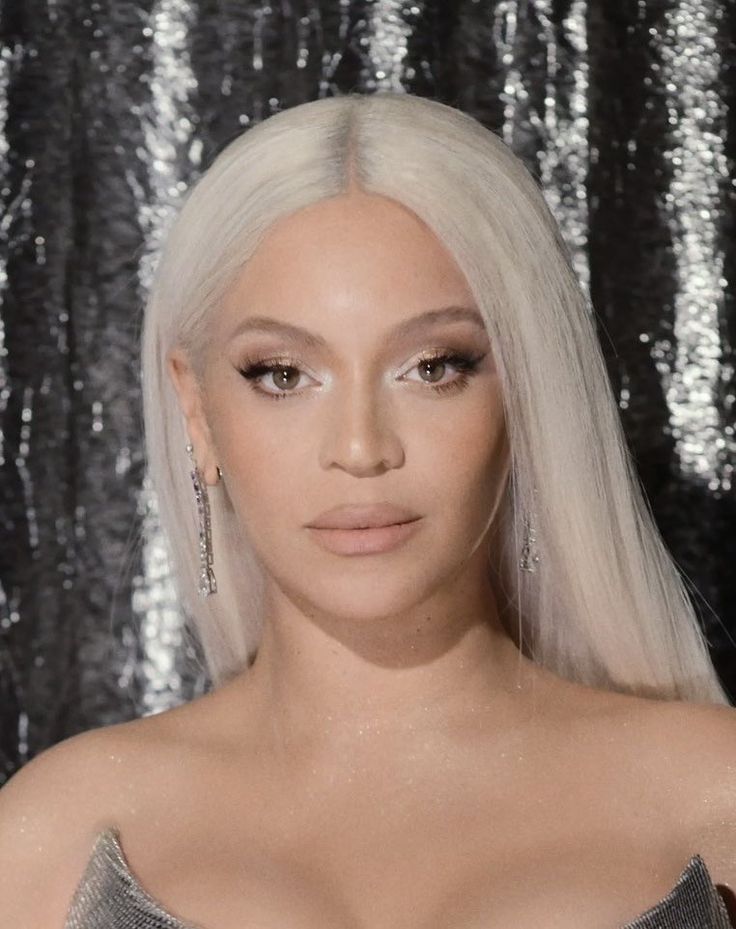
207	582
529	555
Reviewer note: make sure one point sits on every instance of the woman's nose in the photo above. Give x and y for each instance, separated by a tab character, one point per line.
361	436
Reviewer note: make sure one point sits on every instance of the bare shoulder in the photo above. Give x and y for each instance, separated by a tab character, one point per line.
705	737
700	744
680	750
692	743
686	751
676	730
53	808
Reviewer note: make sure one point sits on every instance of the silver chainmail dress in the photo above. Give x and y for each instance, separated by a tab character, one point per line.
109	896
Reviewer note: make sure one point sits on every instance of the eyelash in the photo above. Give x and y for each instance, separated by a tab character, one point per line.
465	364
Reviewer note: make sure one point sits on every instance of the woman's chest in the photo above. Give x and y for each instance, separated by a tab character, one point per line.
478	847
447	879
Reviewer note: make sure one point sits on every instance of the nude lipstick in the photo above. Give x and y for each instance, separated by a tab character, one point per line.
363	529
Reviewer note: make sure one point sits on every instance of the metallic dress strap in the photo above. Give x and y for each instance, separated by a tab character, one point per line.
109	896
693	903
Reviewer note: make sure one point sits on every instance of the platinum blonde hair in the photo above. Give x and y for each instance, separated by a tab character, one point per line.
606	605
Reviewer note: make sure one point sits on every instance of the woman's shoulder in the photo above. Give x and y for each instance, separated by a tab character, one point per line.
693	753
693	742
671	723
48	813
698	758
679	733
54	808
676	760
89	777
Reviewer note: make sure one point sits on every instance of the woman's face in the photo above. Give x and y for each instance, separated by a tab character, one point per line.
354	410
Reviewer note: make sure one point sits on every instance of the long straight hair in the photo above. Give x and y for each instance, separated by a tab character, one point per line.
606	605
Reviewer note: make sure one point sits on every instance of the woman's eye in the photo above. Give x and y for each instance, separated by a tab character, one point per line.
284	376
432	369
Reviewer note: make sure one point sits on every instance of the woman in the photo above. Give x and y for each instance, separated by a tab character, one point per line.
457	680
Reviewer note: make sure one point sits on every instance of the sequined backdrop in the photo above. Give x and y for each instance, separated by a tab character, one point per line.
109	110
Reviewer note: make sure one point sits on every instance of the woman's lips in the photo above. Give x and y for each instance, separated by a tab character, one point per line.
365	541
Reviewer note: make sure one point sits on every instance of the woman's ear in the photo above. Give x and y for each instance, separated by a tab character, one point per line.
189	392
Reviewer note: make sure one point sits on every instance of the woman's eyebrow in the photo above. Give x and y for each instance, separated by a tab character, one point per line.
405	328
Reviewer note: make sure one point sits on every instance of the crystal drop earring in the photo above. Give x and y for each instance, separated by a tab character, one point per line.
529	554
207	581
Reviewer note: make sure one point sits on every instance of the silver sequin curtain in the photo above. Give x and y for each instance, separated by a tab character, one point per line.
108	112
